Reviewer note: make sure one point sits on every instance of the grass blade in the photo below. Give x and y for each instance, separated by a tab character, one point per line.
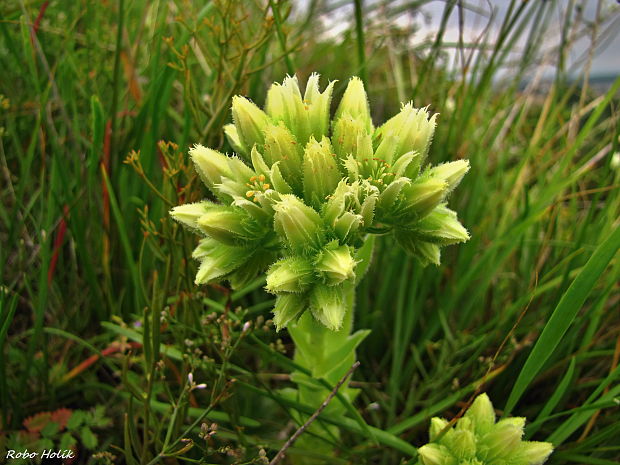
563	315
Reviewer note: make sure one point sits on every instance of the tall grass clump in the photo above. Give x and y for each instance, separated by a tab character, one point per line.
109	349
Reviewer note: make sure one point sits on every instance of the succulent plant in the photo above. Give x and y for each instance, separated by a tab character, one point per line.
477	439
303	192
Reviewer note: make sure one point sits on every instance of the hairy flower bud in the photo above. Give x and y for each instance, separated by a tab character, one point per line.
298	224
232	135
437	426
355	103
436	454
533	452
250	122
282	147
427	253
420	198
328	305
225	224
320	171
481	414
217	260
291	274
412	128
210	164
350	137
288	308
284	103
336	264
318	106
189	213
441	227
451	172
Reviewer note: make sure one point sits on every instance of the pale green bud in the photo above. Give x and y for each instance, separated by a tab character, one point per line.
403	164
350	137
464	423
320	171
284	103
502	440
232	135
368	210
437	426
288	308
388	197
425	252
318	103
281	99
250	122
298	224
334	207
281	146
218	260
387	148
255	264
279	183
413	129
355	103
210	164
532	453
336	264
517	422
328	306
428	253
258	162
420	198
463	444
451	172
351	165
436	454
442	227
481	414
347	225
292	274
225	224
189	213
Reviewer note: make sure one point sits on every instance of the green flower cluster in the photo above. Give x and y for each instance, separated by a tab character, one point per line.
312	190
478	440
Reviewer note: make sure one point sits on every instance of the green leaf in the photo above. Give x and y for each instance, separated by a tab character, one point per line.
553	400
50	429
98	418
364	258
563	315
45	443
78	418
66	441
88	438
582	414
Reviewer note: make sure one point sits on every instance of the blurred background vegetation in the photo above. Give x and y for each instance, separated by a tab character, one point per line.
100	321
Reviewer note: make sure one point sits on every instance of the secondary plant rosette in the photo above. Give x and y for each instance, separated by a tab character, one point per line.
302	199
477	439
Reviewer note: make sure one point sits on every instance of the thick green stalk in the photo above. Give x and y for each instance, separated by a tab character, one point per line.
327	355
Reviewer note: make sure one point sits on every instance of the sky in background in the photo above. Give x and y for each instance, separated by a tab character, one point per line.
606	61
